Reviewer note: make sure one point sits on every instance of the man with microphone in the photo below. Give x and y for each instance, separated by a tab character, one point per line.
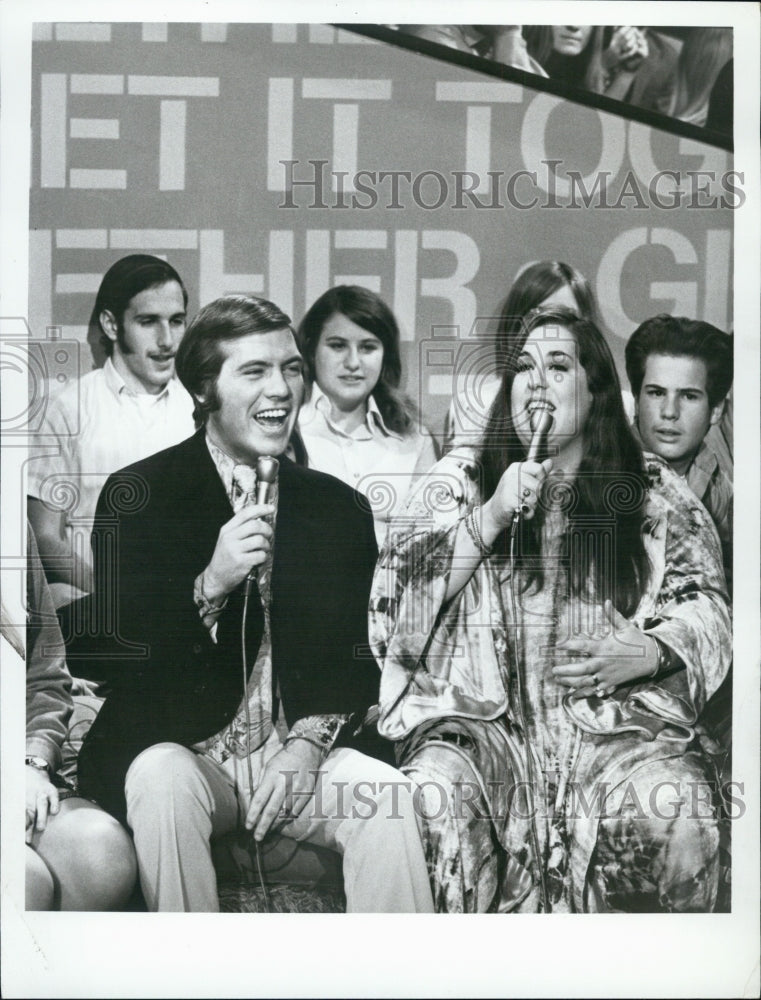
242	585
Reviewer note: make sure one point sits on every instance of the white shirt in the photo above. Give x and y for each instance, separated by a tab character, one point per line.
376	461
92	428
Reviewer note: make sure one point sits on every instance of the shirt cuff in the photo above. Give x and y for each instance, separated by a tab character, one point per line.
209	611
319	730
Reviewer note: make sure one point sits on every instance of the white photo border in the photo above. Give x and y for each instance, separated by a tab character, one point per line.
202	955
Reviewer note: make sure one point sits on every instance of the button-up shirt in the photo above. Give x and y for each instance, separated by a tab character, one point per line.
378	462
714	489
93	427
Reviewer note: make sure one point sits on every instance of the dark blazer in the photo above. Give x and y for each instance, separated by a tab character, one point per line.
156	527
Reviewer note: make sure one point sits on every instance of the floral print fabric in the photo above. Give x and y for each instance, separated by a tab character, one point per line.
591	842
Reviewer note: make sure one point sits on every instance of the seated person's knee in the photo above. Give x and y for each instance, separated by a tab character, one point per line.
39	885
158	769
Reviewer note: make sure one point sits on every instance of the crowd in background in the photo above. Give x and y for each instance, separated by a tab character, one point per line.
684	73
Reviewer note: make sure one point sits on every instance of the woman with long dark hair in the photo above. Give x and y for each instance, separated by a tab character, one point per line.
572	54
357	424
544	283
550	624
623	61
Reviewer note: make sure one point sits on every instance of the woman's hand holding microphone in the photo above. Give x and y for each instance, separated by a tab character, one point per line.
517	491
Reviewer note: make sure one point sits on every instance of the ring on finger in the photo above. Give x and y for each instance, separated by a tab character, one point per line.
526	491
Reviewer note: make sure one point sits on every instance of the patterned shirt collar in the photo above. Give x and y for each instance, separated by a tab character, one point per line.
225	466
701	470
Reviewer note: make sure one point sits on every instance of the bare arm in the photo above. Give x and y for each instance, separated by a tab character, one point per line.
519	486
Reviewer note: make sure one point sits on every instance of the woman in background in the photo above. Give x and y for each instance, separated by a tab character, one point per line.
592	57
703	56
543	675
546	283
356	424
722	101
571	54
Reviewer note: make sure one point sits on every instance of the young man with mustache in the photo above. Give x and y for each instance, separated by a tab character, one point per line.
114	415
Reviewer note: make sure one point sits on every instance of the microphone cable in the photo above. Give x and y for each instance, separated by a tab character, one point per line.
519	668
541	422
266	472
247	711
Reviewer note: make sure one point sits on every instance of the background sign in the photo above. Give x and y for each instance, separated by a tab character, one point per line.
283	159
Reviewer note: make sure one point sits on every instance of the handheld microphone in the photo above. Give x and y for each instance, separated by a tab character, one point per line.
541	422
266	476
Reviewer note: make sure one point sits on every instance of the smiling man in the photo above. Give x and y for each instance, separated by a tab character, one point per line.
112	416
246	709
680	372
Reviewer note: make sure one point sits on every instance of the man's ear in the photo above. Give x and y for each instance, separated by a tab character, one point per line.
108	324
205	392
717	412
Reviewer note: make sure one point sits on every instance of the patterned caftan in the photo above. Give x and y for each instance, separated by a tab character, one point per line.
532	798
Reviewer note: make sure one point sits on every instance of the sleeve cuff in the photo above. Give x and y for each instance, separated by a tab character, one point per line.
209	611
319	730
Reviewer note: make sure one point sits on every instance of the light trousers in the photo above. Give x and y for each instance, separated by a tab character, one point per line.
178	801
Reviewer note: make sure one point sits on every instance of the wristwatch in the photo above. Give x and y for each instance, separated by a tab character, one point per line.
38	763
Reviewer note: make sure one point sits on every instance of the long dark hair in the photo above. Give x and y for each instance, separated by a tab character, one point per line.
536	283
703	55
605	501
370	312
584	70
